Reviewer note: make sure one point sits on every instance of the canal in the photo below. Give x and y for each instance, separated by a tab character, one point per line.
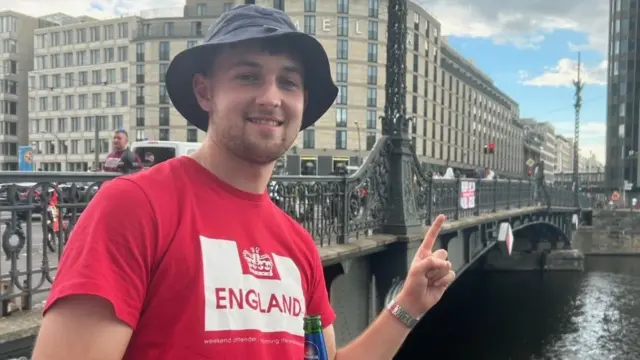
535	316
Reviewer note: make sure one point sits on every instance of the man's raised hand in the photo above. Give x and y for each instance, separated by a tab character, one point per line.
429	275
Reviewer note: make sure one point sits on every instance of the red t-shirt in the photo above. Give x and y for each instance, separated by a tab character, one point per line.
112	162
199	269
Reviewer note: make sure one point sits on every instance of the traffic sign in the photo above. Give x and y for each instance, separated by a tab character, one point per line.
628	186
530	162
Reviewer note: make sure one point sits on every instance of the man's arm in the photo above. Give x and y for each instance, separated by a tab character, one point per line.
97	296
82	327
383	338
428	277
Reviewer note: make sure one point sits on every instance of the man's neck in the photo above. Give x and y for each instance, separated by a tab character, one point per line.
232	170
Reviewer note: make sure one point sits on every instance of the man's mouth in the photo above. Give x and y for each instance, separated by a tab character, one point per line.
265	121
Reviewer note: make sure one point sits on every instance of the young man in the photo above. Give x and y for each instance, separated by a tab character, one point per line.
199	263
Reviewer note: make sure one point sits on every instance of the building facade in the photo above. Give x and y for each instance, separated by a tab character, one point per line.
532	146
623	99
475	114
79	91
16	50
457	109
354	34
546	133
564	154
590	164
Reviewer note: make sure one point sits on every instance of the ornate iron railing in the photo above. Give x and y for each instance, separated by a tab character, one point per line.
334	209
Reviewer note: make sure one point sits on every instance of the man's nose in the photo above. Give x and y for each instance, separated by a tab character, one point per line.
269	95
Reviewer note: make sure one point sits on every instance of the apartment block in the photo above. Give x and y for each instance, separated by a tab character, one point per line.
16	49
623	95
471	114
564	154
92	74
79	91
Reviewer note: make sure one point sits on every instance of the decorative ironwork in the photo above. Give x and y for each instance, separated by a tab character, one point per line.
395	121
42	211
578	84
334	209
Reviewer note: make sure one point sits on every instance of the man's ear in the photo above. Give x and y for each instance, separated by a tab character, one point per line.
202	91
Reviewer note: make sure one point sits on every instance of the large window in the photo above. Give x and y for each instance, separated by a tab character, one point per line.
310	24
341	139
342	49
309	139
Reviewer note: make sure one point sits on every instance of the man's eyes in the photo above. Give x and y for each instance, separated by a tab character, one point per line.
287	82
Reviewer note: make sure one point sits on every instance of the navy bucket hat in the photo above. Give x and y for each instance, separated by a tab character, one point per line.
251	22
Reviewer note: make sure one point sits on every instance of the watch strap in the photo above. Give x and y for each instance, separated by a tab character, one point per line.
402	315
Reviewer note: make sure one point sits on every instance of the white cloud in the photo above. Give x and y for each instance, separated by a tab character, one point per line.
95	8
523	23
592	137
565	72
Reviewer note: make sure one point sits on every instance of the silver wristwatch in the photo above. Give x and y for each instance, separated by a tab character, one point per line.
402	315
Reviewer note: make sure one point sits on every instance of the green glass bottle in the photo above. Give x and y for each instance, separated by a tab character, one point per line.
314	345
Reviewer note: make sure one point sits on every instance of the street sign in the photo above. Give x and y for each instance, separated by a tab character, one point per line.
25	159
628	186
530	162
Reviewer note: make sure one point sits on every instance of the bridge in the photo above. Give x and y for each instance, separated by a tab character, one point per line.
589	181
367	226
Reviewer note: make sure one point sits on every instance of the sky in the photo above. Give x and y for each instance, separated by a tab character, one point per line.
529	47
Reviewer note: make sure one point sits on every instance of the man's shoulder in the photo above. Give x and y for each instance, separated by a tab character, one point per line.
158	184
164	174
295	228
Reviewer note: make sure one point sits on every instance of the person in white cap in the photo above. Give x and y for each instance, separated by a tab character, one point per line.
199	263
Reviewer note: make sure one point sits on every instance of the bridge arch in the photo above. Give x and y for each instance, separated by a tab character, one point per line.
545	226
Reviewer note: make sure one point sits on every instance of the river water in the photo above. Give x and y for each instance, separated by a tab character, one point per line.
534	316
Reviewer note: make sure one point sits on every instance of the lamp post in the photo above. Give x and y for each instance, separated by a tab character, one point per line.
395	121
66	151
395	125
578	84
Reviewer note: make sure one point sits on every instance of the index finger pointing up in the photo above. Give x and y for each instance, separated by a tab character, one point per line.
430	238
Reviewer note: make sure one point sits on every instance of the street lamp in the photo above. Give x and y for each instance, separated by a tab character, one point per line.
66	152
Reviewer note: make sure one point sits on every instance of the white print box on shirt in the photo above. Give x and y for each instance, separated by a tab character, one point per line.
250	290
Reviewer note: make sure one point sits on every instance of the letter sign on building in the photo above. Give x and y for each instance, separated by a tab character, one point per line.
326	26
